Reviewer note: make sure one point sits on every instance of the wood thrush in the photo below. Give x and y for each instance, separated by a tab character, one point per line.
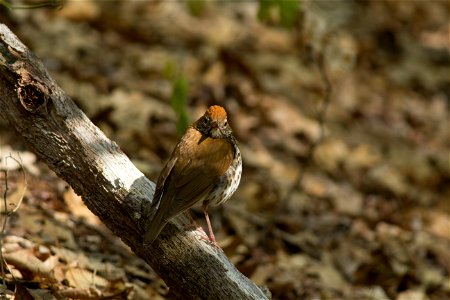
206	165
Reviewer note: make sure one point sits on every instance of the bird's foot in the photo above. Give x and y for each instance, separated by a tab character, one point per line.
214	244
198	229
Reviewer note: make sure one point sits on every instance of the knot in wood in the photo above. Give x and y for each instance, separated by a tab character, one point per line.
31	97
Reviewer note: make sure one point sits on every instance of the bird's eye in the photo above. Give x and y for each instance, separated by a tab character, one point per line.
225	123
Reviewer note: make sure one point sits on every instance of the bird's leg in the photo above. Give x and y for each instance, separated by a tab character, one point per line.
194	225
191	220
210	230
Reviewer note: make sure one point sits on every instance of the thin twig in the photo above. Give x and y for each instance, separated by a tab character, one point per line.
321	120
7	213
58	4
3	262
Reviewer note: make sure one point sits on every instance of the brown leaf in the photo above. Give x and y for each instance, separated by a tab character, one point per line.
84	279
22	292
26	262
78	208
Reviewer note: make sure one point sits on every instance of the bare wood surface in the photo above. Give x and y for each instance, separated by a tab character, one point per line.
110	185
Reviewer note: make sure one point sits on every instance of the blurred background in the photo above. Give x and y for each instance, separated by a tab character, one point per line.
341	112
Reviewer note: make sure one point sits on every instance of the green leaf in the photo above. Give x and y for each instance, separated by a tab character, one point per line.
265	7
178	101
289	10
169	70
196	7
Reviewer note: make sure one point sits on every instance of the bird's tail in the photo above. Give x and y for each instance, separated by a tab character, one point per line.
154	228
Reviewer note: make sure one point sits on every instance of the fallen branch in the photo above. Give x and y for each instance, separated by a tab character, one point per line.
110	185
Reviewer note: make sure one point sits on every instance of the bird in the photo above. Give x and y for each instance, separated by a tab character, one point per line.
206	165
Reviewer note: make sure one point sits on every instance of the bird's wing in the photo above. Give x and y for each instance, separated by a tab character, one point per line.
161	183
200	164
190	174
196	165
159	221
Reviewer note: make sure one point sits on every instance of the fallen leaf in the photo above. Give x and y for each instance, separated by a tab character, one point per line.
24	260
84	279
78	208
330	153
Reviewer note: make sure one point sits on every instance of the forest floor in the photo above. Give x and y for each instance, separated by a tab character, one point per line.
342	120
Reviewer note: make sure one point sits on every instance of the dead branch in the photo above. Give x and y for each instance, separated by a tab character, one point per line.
110	185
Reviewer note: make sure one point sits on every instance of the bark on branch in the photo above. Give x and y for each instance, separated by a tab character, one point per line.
110	185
